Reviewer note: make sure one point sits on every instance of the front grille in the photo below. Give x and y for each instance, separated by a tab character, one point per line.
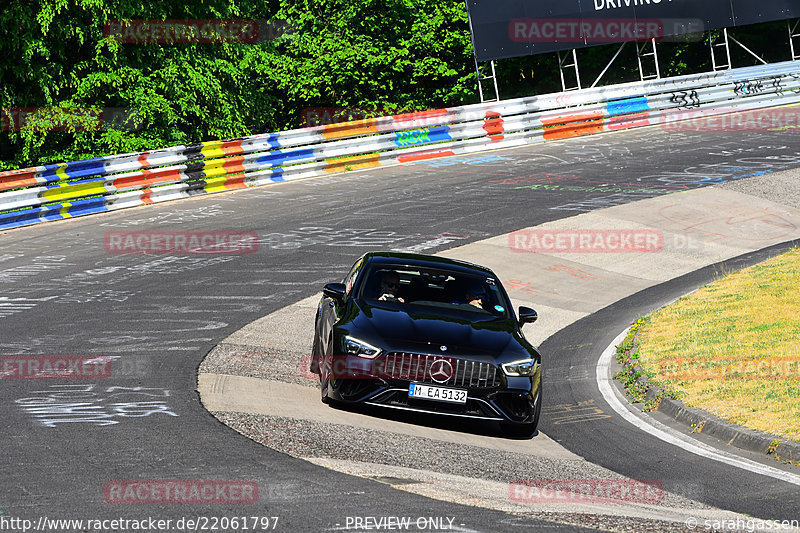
417	367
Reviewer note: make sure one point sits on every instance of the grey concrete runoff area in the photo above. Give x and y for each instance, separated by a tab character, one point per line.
257	379
158	315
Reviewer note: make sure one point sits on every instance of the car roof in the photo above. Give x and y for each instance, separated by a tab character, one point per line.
426	261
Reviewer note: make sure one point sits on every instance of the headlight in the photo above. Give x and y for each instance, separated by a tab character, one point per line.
360	348
523	368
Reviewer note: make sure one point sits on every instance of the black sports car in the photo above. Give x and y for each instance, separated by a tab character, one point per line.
427	334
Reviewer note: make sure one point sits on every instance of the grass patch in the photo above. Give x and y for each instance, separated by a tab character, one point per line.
733	347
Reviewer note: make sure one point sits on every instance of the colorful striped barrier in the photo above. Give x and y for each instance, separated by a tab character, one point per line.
65	190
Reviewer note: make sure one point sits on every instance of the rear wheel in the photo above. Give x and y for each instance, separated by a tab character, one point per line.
315	356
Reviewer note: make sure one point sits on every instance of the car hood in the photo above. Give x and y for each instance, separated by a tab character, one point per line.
416	328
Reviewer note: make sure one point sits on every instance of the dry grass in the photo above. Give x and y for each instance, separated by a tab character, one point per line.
733	347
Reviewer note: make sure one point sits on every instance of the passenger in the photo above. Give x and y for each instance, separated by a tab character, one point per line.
476	295
390	285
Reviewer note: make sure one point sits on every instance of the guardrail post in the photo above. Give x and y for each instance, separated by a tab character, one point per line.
574	64
483	77
724	44
792	35
640	53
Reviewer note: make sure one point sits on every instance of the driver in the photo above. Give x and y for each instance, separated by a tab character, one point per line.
390	284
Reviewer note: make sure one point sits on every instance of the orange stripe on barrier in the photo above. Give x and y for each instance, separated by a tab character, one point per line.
353	162
352	128
422	157
567	126
232	147
146	196
148	177
234	165
236	183
13	179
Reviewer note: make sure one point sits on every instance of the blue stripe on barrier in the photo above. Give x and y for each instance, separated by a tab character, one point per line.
628	105
77	169
277	158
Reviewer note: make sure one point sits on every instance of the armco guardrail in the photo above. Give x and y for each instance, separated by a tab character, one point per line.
65	190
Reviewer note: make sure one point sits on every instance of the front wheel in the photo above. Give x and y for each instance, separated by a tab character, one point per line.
325	377
525	430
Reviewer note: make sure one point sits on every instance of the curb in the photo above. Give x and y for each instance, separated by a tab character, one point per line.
734	434
700	421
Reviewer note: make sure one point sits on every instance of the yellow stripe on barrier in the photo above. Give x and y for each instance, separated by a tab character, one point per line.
62	172
224	183
353	162
212	149
73	191
64	211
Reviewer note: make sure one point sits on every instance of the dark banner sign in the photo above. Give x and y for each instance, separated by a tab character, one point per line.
512	28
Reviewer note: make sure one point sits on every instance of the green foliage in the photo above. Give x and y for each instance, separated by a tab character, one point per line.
381	55
388	54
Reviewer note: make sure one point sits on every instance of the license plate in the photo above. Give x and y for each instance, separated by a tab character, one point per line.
426	392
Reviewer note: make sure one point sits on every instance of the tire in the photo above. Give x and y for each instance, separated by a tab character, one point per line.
528	429
314	365
325	382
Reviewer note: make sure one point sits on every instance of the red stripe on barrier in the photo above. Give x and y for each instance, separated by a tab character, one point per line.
13	179
234	165
629	121
422	157
148	177
232	147
567	126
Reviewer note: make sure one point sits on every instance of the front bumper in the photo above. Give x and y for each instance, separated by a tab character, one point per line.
504	404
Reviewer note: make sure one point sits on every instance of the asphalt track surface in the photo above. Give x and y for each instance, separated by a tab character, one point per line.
157	315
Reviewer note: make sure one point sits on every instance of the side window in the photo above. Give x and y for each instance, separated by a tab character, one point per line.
350	279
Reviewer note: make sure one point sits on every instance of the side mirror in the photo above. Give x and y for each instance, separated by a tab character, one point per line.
527	315
334	290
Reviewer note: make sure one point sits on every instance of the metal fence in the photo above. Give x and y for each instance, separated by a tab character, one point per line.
65	190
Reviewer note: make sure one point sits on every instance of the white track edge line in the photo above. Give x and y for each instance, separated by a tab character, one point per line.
664	433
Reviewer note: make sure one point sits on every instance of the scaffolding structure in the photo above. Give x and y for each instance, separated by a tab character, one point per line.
647	59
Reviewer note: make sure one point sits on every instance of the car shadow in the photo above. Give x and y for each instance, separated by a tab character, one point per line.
485	428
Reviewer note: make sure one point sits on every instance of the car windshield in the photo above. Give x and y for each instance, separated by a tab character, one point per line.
434	288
